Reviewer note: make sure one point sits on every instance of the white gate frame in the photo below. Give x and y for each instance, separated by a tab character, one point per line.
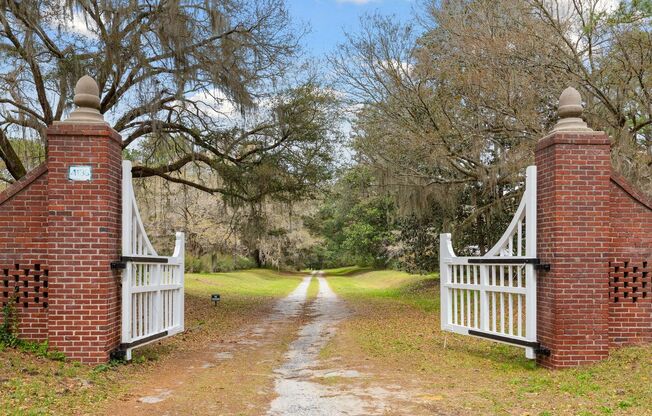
495	296
152	285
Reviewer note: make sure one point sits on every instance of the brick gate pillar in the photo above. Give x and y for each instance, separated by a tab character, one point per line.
84	220
573	164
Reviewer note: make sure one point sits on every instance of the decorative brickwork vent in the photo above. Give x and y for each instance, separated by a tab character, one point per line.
26	285
629	281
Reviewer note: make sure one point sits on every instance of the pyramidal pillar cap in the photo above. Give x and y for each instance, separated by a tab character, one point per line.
570	112
87	100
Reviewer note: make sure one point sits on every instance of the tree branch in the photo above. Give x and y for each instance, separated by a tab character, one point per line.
11	159
146	171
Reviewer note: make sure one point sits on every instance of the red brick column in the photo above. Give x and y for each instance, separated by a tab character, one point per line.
84	220
573	201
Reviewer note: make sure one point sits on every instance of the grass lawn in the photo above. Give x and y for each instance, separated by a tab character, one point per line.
346	270
33	385
394	333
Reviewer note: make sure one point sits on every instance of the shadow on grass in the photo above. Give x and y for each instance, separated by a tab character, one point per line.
421	287
348	271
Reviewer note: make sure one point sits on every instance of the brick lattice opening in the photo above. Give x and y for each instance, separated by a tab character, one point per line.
629	281
26	285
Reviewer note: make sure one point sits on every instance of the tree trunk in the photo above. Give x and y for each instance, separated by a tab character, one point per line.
12	161
258	258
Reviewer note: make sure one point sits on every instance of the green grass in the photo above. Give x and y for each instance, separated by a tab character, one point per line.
34	385
346	271
31	383
395	327
245	295
416	290
313	289
244	283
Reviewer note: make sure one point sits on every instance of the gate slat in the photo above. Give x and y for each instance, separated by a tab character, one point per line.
149	291
479	291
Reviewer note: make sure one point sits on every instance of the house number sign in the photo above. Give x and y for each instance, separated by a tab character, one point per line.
83	173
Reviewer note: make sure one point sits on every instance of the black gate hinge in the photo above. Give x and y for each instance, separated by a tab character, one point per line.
118	354
543	267
541	350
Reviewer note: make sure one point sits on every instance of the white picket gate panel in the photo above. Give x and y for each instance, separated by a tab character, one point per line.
494	296
152	285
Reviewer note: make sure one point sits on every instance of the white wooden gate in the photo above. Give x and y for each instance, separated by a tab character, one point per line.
152	285
494	296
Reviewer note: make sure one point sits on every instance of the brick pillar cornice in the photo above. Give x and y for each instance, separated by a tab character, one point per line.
81	130
593	138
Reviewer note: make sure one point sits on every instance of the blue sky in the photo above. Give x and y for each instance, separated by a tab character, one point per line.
328	19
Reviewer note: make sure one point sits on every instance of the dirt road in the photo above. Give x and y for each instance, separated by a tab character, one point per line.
227	377
270	367
298	392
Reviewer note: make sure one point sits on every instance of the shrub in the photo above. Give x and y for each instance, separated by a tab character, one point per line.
8	338
218	263
8	327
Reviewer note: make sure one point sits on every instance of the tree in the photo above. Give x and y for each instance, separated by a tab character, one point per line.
303	131
434	121
448	117
606	50
354	221
203	75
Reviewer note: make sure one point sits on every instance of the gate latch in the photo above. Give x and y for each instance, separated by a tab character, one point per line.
118	265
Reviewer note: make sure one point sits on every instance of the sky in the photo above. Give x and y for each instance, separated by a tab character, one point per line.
329	19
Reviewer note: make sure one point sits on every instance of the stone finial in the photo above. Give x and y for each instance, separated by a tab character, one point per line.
570	112
87	100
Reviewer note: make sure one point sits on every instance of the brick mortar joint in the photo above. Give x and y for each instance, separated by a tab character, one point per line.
23	183
84	130
620	181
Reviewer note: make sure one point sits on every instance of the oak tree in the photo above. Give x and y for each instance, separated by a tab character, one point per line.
205	79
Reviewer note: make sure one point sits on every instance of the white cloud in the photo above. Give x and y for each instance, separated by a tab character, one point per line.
399	66
215	104
567	8
76	23
80	25
567	11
